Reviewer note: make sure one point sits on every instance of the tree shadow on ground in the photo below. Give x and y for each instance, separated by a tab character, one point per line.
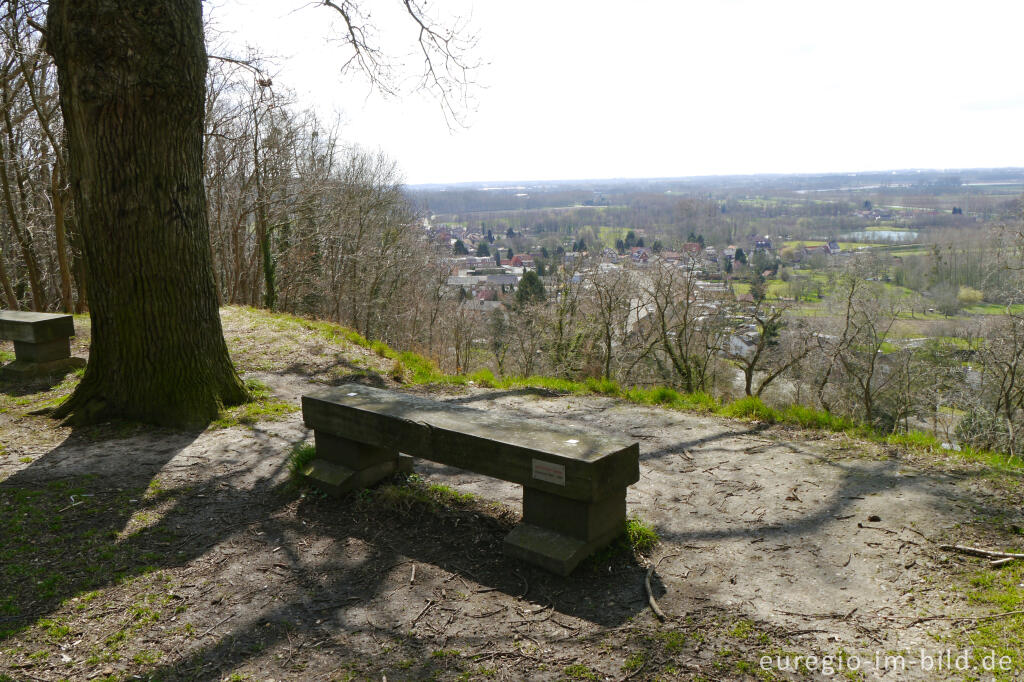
341	371
106	513
509	393
344	598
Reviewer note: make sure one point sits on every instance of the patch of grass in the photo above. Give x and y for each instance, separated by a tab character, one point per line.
914	439
302	454
414	492
1001	591
810	418
578	671
669	397
449	496
642	537
603	387
673	640
262	406
422	370
749	407
55	630
742	629
634	662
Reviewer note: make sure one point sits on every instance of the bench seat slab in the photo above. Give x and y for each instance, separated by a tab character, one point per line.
18	325
535	455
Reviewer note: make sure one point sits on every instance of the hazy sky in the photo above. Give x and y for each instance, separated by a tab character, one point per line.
594	89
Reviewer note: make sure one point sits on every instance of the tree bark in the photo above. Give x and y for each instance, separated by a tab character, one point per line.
132	88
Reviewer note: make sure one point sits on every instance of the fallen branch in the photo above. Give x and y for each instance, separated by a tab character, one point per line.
983	553
430	603
650	594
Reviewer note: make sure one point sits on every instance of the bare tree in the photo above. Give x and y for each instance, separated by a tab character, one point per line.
611	300
779	343
686	331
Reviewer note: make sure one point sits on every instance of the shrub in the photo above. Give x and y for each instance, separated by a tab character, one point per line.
983	430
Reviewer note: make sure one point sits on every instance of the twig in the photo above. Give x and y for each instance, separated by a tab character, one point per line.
430	603
412	578
996	563
983	553
217	625
884	530
918	532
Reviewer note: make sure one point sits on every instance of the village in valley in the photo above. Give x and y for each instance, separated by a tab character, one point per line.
783	249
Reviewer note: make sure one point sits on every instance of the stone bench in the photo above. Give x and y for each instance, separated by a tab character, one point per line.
42	342
574	484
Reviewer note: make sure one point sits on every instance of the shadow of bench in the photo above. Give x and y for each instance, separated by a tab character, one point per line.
574	484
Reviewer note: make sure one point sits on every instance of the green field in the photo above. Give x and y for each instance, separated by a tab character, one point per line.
993	309
609	235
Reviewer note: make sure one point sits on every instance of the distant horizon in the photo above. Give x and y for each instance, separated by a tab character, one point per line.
665	178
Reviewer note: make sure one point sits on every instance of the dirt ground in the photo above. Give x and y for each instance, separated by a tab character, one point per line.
130	552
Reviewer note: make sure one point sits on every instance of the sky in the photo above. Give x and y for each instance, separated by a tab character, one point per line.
581	89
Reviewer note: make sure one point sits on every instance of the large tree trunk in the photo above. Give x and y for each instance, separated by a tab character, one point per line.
132	87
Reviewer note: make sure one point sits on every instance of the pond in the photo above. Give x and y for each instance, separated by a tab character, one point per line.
880	236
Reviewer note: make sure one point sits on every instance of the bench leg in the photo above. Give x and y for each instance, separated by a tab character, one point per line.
557	533
342	465
38	359
42	352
